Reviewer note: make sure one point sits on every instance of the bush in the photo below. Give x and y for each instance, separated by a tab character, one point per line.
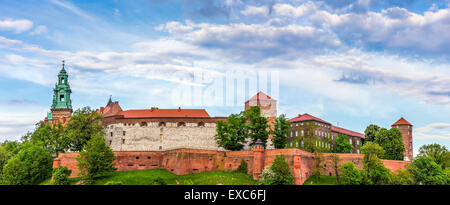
61	176
242	168
280	168
159	181
267	177
32	165
96	158
113	183
402	177
350	175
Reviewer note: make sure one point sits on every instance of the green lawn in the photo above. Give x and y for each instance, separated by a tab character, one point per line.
324	180
148	177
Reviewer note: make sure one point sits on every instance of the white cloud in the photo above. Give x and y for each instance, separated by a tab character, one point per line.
437	131
295	12
256	11
38	30
16	26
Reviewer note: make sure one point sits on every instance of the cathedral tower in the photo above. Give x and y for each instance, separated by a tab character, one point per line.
406	129
61	108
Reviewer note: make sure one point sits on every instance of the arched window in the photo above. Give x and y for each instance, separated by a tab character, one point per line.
162	124
181	124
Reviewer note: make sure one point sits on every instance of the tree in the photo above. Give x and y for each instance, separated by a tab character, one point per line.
281	132
402	177
231	134
318	166
335	163
280	168
391	142
51	136
427	172
31	165
96	158
350	174
61	176
374	172
4	157
83	125
242	168
342	144
257	125
370	132
439	154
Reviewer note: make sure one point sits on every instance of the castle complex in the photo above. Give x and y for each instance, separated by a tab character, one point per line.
182	140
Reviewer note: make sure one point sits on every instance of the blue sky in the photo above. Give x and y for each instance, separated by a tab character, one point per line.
352	62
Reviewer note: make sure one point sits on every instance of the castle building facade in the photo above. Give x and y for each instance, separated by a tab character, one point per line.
308	131
157	129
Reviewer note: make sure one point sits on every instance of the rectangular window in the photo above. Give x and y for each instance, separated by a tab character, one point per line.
124	133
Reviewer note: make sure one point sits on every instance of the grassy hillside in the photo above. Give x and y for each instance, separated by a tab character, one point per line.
324	180
148	177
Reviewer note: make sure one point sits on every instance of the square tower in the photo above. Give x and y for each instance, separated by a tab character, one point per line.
406	129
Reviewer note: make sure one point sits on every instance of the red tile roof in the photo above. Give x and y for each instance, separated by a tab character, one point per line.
163	113
347	132
402	121
307	117
260	96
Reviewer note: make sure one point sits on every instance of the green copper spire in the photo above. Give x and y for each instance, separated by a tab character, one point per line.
62	91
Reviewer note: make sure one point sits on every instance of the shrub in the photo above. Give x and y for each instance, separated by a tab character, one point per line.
61	176
159	181
267	177
350	175
242	168
280	168
402	177
96	158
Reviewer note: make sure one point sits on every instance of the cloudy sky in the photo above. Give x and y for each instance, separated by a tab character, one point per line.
349	62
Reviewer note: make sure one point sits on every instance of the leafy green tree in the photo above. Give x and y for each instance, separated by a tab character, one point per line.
370	132
402	177
318	165
350	174
342	144
231	134
335	163
438	153
83	125
374	172
52	137
31	165
4	157
96	158
242	168
280	168
61	176
427	172
12	147
391	142
257	125
281	132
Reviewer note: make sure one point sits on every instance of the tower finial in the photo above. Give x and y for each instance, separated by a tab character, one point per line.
63	61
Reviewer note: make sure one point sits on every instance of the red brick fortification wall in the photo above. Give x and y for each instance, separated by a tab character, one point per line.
357	159
188	161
